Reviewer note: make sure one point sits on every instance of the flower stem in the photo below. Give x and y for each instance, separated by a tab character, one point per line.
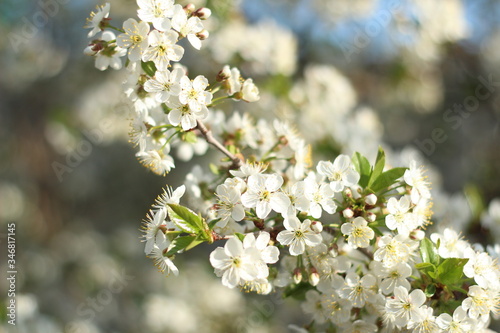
207	134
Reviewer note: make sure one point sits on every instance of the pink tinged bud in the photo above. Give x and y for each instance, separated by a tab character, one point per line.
89	50
348	213
202	34
297	275
348	192
189	8
314	277
370	217
203	13
317	227
417	234
371	199
224	74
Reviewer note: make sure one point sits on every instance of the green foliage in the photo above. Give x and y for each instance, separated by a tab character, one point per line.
297	291
387	179
197	228
373	179
428	252
450	271
148	67
363	167
447	272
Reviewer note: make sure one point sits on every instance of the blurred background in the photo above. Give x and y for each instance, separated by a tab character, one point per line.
420	78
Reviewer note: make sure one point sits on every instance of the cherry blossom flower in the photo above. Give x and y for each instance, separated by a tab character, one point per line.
162	49
399	216
297	235
264	194
135	38
193	93
358	233
94	22
235	263
165	84
161	260
340	173
157	12
229	204
187	27
404	306
152	224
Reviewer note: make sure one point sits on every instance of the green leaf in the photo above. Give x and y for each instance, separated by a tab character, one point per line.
430	290
428	252
387	179
213	223
450	271
149	67
297	291
363	167
179	244
214	168
425	268
240	236
379	166
189	137
185	219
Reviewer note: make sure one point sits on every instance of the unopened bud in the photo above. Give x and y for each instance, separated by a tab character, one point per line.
189	8
371	199
370	217
89	50
250	92
203	13
202	34
224	74
417	234
356	194
297	275
314	277
348	213
348	192
317	226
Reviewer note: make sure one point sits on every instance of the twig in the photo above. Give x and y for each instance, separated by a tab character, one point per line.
207	134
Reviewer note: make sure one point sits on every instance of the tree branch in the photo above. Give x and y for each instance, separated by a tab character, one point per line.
207	134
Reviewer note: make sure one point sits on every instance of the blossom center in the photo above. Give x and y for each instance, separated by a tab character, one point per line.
336	176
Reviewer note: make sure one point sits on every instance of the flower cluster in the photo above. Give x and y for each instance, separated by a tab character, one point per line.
345	235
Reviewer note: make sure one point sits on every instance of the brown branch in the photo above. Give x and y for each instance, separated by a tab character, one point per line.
207	134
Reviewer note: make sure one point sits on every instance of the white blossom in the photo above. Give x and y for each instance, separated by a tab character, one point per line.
297	235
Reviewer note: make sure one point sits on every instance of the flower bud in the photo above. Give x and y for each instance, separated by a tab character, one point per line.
202	35
348	192
417	234
371	217
250	92
314	277
297	275
371	199
348	213
317	226
203	13
89	50
224	74
189	8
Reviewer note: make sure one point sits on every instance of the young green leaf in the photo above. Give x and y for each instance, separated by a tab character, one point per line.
425	268
428	252
379	166
387	179
185	219
363	167
450	271
149	67
179	244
